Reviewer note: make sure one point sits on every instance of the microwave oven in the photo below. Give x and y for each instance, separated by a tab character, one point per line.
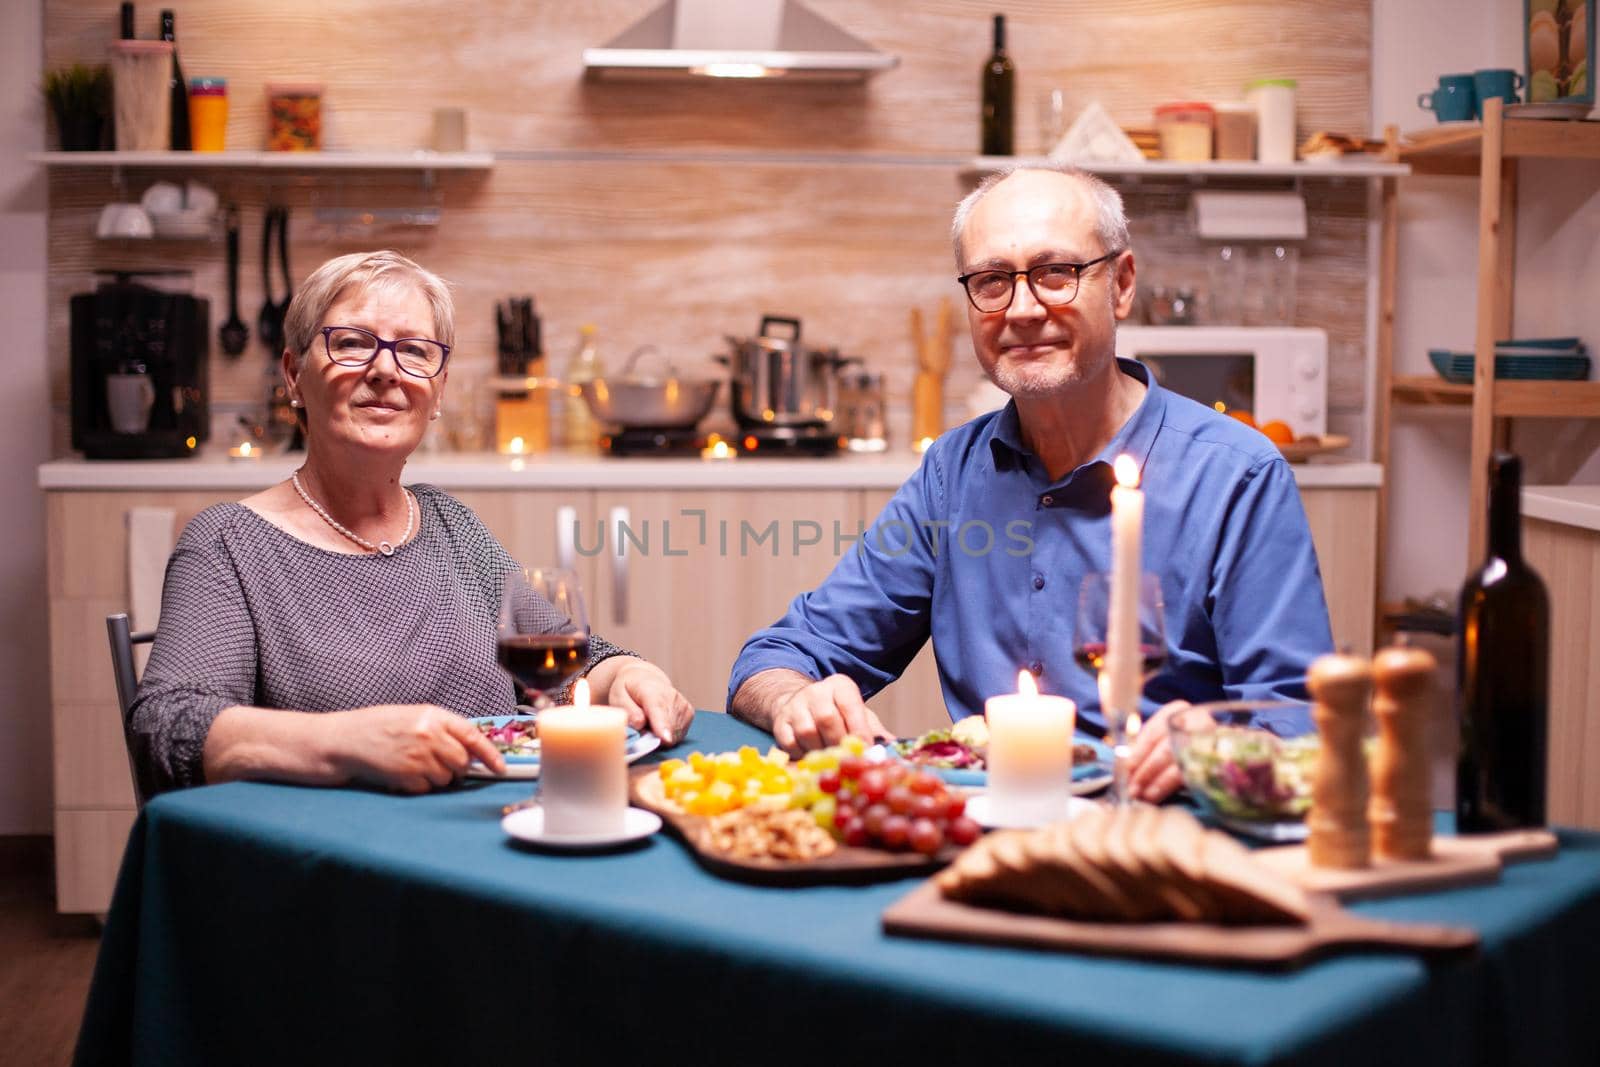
1272	372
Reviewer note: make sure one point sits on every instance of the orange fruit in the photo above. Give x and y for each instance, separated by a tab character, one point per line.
1244	416
1278	432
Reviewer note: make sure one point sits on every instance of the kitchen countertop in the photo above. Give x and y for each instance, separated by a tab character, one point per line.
463	471
1571	505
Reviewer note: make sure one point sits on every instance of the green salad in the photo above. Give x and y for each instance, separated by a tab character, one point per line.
1248	773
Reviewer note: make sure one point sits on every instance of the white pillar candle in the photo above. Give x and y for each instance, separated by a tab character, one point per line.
1030	754
1123	658
583	767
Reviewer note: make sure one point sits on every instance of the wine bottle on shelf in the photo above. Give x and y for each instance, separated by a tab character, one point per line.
180	89
127	20
1503	654
999	95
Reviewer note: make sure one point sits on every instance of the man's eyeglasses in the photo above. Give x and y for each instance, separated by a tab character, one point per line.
1053	284
351	346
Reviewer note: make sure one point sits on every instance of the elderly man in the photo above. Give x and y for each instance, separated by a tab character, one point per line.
984	548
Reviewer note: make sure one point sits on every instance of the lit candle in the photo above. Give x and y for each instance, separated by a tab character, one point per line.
1030	754
1122	667
583	766
717	449
244	450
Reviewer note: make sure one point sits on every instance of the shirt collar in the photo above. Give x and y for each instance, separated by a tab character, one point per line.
1136	437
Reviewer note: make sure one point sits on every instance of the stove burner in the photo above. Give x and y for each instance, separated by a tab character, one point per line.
636	442
785	441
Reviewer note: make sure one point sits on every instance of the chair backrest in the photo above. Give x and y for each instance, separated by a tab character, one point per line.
122	641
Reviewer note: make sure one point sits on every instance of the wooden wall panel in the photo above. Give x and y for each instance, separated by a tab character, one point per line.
676	213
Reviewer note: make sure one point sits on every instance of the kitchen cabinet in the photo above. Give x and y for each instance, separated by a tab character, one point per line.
1491	152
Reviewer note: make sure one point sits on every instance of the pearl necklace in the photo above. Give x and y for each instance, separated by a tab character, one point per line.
382	546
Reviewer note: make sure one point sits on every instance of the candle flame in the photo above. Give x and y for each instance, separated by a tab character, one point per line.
1134	723
244	449
580	693
1025	684
1127	469
922	444
516	446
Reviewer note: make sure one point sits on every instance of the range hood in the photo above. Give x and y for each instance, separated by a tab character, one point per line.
736	39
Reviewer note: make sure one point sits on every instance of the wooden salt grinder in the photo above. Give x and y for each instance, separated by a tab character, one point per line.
1337	822
1401	817
933	362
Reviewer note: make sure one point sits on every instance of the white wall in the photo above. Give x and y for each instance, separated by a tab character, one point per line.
24	433
1558	273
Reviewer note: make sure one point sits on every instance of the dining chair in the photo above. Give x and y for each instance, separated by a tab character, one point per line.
122	639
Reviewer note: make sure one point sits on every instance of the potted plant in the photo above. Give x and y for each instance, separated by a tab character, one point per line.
80	98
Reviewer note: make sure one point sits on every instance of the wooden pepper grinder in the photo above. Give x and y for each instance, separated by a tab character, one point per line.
1337	822
933	362
1402	821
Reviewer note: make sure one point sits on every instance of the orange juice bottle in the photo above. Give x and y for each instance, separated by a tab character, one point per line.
208	114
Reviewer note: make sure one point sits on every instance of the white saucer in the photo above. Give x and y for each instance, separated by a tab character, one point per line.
978	811
527	824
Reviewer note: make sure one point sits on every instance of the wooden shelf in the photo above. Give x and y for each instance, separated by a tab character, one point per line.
397	160
1456	151
1513	397
1351	167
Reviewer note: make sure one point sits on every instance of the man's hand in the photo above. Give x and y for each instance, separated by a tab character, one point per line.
645	692
818	714
1153	775
411	748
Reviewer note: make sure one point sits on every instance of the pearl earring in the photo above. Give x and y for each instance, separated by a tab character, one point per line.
294	401
436	413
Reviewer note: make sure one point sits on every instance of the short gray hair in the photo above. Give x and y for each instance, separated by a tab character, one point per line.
369	270
1111	222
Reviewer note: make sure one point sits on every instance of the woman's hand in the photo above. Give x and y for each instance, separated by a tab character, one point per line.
645	692
411	748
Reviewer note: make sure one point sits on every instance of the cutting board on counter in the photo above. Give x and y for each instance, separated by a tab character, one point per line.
926	913
1457	861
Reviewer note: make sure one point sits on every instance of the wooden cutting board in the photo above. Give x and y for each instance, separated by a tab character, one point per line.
845	865
1457	861
926	913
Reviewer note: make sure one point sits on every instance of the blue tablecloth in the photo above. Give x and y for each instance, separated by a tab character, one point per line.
279	925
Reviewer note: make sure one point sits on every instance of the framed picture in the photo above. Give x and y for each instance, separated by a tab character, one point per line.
1560	36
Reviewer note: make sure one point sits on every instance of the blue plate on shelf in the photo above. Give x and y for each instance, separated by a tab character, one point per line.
527	766
1086	777
1457	367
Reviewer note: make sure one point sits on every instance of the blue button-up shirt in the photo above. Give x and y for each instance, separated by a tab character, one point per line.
983	551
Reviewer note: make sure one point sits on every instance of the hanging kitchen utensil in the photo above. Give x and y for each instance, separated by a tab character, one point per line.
234	333
268	326
283	265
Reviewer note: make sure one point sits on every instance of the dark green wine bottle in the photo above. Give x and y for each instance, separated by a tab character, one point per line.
180	89
1504	662
999	97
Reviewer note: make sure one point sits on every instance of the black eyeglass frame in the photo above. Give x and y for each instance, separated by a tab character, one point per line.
392	346
1077	270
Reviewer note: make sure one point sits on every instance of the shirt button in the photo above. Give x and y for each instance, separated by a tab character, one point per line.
1036	668
1038	581
1047	500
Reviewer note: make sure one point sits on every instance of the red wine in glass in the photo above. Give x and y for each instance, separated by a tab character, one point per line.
1091	656
543	662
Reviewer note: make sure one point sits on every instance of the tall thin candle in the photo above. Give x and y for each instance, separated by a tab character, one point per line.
1121	691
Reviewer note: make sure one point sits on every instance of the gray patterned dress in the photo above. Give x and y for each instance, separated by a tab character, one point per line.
251	615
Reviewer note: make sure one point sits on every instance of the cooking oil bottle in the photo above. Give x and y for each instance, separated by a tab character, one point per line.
580	430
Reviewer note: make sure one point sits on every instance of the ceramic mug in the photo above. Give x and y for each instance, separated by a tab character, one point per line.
1496	82
129	398
1455	99
124	220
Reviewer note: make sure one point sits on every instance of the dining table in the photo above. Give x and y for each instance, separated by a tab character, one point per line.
257	923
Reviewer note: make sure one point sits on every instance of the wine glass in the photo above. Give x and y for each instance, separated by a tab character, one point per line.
542	639
1089	650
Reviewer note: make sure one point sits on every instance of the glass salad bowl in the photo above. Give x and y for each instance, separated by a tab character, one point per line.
1249	763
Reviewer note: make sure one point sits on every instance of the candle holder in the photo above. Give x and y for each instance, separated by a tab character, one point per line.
1096	649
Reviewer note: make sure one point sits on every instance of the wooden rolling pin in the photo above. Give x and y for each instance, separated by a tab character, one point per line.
933	363
1338	835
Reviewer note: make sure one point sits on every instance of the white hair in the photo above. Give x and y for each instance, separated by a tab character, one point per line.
1111	222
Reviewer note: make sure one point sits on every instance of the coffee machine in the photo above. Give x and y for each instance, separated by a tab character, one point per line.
139	370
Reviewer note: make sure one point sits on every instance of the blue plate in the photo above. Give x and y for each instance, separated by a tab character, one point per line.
1086	777
528	766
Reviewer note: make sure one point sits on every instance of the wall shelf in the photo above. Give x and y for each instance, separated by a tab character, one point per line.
1459	150
1356	167
395	160
1513	398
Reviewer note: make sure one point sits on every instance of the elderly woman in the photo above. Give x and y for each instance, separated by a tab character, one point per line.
342	592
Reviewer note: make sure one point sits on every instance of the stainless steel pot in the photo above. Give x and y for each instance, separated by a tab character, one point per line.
644	402
777	381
